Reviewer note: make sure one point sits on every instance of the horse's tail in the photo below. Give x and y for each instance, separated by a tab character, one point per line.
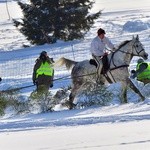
64	61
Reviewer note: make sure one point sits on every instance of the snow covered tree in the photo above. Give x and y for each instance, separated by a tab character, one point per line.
46	21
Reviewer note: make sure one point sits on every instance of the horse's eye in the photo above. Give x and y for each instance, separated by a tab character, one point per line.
137	46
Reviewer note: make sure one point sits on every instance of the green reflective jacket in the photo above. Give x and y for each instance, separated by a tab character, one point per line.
145	74
45	69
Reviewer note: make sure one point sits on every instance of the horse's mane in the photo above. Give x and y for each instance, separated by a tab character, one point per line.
123	43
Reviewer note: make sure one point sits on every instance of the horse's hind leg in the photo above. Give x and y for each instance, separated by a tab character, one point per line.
72	95
71	105
135	89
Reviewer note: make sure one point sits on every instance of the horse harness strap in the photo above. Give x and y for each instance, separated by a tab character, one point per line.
108	78
119	67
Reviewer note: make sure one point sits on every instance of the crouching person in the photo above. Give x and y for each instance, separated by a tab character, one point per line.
43	72
142	72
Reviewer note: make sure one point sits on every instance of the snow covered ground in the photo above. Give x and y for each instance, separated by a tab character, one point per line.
112	127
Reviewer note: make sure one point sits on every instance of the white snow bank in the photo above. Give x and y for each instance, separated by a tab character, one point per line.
136	26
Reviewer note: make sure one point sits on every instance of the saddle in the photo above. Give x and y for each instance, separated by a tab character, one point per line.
105	64
93	62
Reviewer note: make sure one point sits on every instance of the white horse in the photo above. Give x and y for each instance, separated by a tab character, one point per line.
119	61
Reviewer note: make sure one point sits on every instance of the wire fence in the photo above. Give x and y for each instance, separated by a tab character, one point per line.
18	66
19	69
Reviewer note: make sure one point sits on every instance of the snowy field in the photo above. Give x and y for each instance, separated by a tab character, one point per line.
113	127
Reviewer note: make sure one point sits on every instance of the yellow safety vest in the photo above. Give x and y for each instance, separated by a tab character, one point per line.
145	74
45	69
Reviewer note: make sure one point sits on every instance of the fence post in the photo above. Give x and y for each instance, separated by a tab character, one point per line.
73	51
7	10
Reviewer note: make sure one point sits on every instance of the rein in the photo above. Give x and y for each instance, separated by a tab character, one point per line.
116	67
132	46
119	50
108	78
23	87
119	67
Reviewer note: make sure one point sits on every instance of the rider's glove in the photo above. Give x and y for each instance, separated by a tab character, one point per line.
34	82
114	49
133	74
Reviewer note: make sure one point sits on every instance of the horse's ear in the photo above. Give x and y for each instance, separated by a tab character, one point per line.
133	37
137	37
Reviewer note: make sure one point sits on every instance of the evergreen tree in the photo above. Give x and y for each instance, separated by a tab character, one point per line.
46	21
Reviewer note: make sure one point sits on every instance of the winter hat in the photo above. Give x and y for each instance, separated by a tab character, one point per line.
43	53
101	31
140	60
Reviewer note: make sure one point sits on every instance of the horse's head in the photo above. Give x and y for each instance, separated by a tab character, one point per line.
138	49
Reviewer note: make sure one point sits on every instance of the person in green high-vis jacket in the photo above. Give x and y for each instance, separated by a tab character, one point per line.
142	72
43	72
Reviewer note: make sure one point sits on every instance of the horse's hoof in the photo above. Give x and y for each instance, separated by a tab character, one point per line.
72	106
142	99
69	104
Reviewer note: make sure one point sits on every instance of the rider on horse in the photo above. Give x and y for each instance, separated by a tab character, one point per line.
98	49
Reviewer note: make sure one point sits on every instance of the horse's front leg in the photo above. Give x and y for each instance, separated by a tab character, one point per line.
124	92
135	89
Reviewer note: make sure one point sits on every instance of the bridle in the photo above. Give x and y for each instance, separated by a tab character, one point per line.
133	46
119	50
125	65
